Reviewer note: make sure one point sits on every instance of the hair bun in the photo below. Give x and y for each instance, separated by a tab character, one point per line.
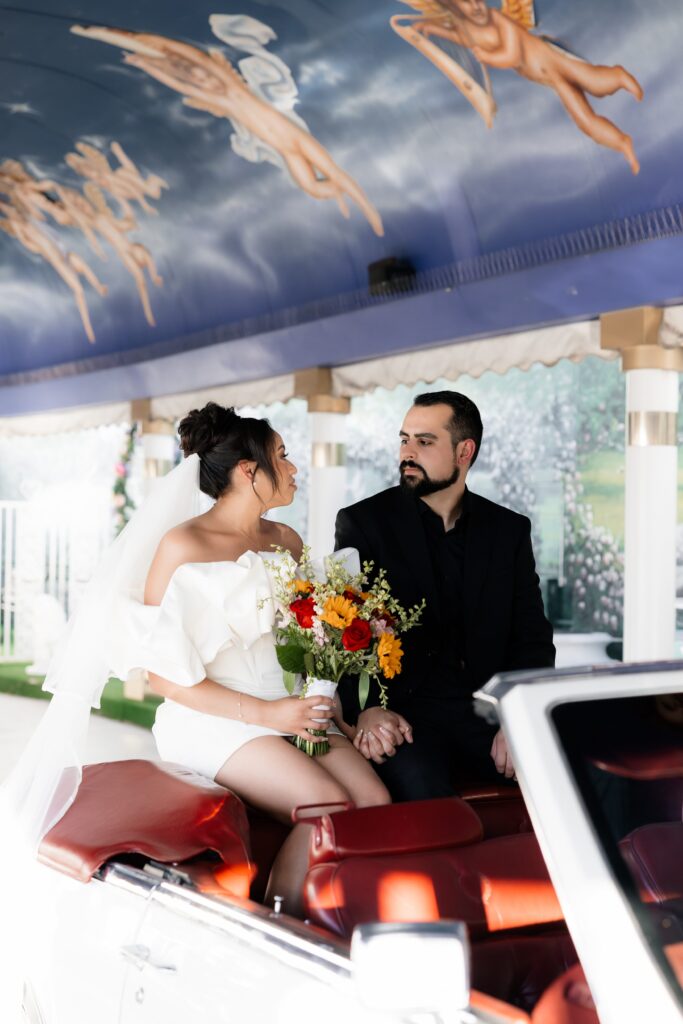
202	429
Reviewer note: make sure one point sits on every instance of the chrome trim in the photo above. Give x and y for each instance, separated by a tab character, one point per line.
133	880
647	429
290	941
489	696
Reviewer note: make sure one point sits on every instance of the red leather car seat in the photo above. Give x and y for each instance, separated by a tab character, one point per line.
567	1001
422	862
654	854
415	827
500	809
519	968
161	811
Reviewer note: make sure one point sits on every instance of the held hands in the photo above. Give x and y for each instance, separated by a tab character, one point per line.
297	716
501	756
380	732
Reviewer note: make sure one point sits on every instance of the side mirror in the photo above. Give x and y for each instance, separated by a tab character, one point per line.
412	968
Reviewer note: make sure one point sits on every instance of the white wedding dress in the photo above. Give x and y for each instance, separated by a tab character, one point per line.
215	621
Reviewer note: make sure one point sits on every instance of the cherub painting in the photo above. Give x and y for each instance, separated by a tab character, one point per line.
31	201
502	39
207	81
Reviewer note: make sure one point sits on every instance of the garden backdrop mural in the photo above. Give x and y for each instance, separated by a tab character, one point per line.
562	464
209	185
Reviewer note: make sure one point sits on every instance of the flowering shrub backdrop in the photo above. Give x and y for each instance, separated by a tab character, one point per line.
553	450
123	503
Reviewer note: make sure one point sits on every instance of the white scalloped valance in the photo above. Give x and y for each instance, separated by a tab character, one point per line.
168	407
473	358
449	361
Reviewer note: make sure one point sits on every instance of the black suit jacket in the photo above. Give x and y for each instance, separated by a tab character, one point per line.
504	626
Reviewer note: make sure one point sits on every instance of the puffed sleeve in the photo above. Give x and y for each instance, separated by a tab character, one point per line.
207	606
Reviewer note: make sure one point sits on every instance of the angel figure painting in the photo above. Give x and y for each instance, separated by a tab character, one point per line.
464	38
31	202
257	97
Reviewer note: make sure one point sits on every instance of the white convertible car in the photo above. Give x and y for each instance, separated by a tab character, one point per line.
562	905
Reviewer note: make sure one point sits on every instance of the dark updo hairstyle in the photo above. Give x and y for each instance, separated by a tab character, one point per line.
221	438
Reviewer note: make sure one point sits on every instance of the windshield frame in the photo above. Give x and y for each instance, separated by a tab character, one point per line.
623	971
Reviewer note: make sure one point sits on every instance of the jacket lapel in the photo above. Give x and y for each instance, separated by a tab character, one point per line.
478	542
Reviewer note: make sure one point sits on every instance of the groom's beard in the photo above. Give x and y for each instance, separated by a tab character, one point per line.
423	485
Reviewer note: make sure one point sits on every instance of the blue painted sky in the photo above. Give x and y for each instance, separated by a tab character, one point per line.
235	240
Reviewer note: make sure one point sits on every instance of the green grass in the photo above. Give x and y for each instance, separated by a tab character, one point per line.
13	680
602	474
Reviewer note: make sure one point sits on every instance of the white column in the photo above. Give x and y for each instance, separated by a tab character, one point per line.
650	514
327	487
158	439
159	446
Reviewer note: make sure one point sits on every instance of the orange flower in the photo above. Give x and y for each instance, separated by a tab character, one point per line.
303	587
389	653
339	612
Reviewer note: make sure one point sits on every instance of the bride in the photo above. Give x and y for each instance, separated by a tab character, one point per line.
187	597
211	652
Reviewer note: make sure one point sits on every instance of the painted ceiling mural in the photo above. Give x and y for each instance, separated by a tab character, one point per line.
192	194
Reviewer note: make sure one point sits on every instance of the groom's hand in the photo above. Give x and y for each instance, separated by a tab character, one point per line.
379	732
501	756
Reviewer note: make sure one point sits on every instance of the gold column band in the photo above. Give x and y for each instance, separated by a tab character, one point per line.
652	428
326	453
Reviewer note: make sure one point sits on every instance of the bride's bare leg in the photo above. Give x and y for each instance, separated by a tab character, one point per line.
365	789
356	774
271	774
289	870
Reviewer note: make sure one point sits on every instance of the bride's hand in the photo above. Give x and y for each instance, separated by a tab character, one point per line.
297	716
348	730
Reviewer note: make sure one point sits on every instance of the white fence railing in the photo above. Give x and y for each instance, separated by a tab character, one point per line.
47	555
8	551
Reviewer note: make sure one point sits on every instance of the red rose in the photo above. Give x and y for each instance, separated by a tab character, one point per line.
353	595
304	609
357	636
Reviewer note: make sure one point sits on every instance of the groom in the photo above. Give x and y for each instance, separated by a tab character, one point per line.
472	560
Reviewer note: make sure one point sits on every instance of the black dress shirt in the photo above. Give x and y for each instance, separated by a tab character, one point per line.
500	621
447	674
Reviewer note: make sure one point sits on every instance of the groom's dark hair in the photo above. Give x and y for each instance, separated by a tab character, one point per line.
465	423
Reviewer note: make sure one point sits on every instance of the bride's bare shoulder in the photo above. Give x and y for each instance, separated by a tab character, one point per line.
184	543
183	539
285	537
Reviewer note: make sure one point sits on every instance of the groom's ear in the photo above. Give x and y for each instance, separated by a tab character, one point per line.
467	451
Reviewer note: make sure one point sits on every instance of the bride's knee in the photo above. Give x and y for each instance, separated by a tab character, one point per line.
373	794
330	792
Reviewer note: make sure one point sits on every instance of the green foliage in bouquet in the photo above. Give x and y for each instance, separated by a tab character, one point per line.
336	626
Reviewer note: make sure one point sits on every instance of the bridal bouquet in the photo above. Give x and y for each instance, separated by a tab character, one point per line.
332	624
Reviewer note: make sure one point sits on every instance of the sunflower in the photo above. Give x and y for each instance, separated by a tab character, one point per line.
303	587
389	653
339	612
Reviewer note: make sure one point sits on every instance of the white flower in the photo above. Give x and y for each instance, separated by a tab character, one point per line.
285	616
318	631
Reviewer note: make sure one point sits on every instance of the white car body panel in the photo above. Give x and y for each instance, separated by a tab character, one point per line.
139	947
626	983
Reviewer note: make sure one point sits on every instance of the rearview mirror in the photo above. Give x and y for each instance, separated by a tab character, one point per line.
412	968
